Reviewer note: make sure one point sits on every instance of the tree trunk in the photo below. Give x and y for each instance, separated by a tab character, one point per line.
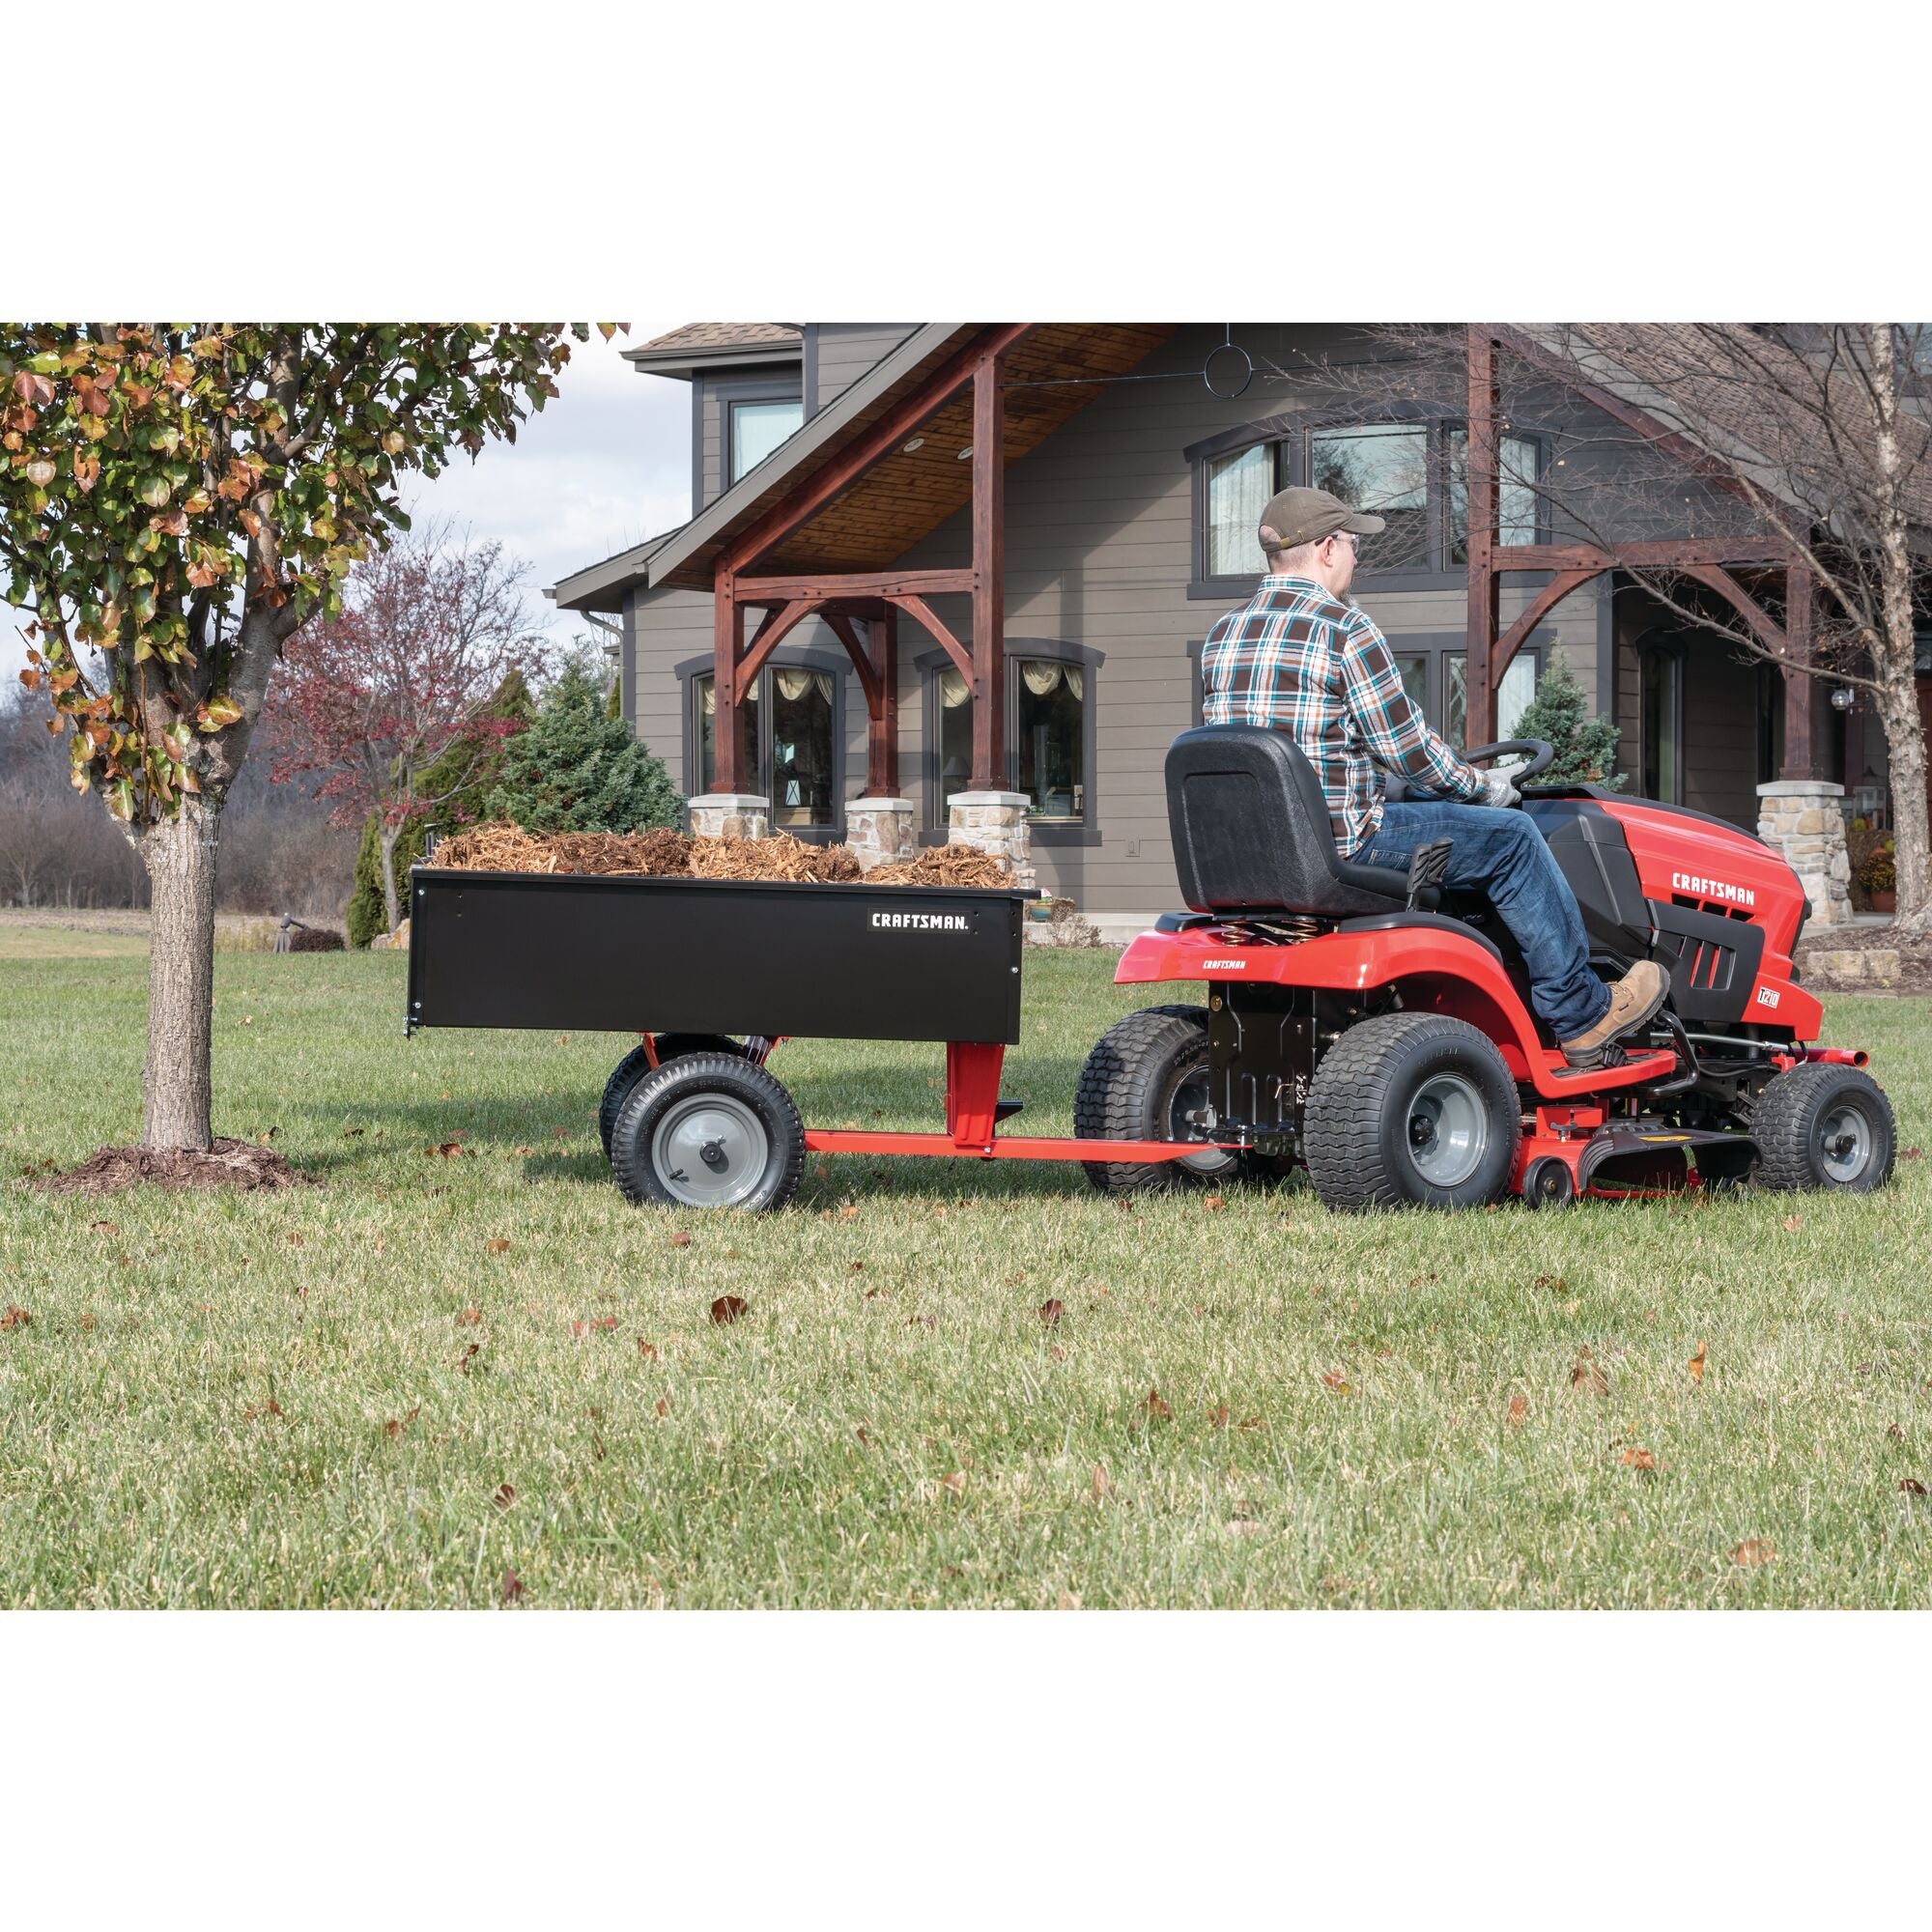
180	857
385	839
1905	749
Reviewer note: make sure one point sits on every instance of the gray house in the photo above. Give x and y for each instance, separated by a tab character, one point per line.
1137	458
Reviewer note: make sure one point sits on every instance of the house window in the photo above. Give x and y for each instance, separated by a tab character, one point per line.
791	729
1520	467
1049	745
758	428
1661	693
1238	489
1383	468
1513	696
1049	735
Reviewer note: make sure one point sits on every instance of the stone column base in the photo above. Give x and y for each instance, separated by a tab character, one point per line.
880	831
1800	818
995	822
730	814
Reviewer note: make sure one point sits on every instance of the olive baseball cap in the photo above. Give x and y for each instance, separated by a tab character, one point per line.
1295	517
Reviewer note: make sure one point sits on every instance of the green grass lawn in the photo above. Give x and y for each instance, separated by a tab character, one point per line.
319	1396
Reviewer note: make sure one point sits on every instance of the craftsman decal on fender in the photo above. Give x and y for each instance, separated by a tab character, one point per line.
1224	965
1713	889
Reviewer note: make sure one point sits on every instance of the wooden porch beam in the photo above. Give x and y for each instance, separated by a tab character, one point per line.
989	597
1658	554
771	633
1539	607
1801	688
885	436
825	584
1483	491
840	627
1764	626
728	724
922	613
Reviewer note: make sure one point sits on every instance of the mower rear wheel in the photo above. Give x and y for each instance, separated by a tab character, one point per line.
635	1064
1146	1074
1411	1110
1824	1125
708	1130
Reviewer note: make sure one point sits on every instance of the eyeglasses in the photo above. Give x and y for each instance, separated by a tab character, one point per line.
1348	537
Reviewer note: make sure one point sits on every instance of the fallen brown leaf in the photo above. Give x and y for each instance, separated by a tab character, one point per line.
729	1308
1217	1416
1638	1459
513	1587
16	1318
104	1227
1103	1484
1519	1410
957	1482
1753	1551
647	1350
526	1150
680	1238
1897	1434
1913	1153
499	1245
664	1405
1050	1312
505	1495
468	1355
1696	1362
1912	1486
1337	1381
848	1212
1213	1202
1067	1601
1586	1376
1251	1421
472	1315
1156	1406
860	1433
1792	1223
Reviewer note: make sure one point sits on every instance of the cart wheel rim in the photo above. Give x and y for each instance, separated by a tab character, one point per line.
710	1151
1189	1096
1447	1131
1845	1143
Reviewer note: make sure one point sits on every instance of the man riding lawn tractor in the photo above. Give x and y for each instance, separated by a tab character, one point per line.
1299	658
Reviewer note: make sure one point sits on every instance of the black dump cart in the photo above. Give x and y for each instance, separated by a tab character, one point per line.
712	974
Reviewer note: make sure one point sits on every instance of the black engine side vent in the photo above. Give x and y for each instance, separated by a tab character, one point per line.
1712	960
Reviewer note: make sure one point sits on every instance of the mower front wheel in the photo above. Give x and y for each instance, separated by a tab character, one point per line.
1411	1110
1824	1125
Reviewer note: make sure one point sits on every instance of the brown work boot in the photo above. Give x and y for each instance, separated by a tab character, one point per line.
1633	1003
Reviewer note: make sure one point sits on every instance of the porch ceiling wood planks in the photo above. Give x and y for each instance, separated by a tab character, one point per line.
908	496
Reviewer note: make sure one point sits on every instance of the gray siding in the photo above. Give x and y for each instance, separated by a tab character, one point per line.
711	401
837	353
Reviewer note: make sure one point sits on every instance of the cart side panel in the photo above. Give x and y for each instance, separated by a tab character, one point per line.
689	955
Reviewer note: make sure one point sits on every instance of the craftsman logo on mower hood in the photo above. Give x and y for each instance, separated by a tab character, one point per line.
1713	889
920	922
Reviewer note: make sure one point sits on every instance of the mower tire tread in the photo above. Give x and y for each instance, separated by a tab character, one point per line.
1785	1125
1120	1093
1348	1132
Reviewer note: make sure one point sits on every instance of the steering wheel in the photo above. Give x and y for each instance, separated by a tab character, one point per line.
1542	756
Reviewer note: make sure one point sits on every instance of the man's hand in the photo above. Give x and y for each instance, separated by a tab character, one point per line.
1498	791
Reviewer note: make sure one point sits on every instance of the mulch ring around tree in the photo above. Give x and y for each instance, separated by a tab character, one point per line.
228	1163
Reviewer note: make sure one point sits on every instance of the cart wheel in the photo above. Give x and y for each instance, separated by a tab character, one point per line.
635	1064
1547	1182
1411	1110
1820	1125
1146	1074
708	1130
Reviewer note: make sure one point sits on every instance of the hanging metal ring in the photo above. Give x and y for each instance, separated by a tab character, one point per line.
1234	363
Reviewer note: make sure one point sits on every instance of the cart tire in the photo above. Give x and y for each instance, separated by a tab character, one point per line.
635	1064
1824	1126
1411	1110
708	1130
1135	1085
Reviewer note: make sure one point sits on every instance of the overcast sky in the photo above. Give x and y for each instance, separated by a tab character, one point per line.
606	465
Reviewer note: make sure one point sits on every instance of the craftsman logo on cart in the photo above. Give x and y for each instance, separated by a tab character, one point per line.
919	922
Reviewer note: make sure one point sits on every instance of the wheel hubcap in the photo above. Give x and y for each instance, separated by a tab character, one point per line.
1845	1143
1190	1096
710	1151
1448	1130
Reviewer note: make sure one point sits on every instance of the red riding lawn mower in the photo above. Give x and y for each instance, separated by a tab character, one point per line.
1379	1030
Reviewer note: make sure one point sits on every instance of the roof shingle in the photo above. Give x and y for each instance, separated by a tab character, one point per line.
724	335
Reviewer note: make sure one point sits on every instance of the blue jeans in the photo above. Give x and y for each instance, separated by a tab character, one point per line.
1502	854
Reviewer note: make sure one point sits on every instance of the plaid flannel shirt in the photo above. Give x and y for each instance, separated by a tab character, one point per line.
1294	658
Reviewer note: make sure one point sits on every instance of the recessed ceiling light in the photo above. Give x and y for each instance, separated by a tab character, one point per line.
917	442
966	452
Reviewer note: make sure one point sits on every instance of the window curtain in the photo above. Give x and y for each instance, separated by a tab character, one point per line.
954	690
1239	488
794	684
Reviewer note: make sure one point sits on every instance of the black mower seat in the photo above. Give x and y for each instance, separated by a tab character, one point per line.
1251	831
